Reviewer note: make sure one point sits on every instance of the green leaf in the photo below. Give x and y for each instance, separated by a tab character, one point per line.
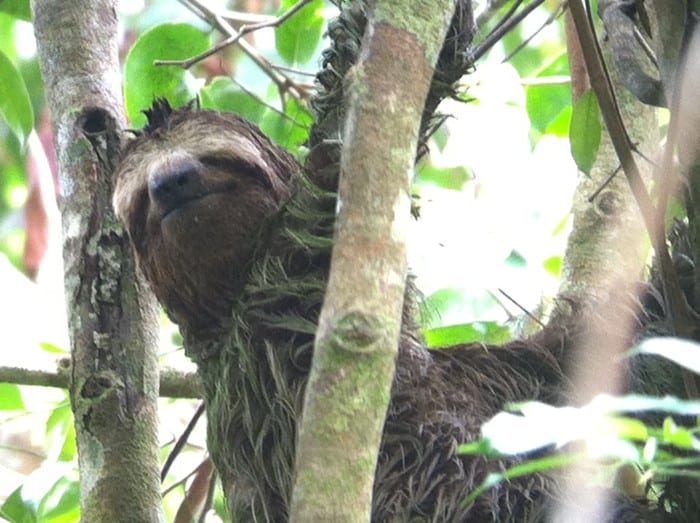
452	178
680	437
545	102
629	428
17	8
53	349
561	123
145	81
553	265
289	129
685	353
516	260
60	433
16	510
15	106
10	397
224	95
298	37
61	503
484	331
585	131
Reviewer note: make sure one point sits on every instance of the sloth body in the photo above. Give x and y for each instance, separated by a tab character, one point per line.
235	242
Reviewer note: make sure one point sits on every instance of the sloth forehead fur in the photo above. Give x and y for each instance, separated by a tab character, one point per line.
194	190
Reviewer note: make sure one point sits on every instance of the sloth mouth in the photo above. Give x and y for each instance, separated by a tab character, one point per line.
186	205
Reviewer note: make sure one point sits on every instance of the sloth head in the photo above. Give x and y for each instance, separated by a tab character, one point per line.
194	190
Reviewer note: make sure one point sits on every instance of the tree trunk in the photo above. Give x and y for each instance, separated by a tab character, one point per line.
603	264
357	338
114	382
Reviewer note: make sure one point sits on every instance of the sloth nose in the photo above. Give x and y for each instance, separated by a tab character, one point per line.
174	183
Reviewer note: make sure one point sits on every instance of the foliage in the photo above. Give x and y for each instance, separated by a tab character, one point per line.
144	82
585	131
462	310
612	428
15	105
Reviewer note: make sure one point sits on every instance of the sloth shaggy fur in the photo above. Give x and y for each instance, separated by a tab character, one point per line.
235	241
235	238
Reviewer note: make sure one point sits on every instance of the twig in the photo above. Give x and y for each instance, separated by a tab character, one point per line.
605	183
180	443
245	18
527	312
509	21
184	479
218	20
555	14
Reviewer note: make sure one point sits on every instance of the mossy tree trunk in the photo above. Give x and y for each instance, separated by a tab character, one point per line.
114	381
357	339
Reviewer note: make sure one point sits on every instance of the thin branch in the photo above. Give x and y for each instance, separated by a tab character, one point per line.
181	441
173	383
510	20
245	18
284	83
525	311
38	377
551	18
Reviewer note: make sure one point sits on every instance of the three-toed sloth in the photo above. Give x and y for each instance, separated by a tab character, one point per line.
229	232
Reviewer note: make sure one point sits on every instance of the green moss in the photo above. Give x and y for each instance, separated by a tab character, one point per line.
426	19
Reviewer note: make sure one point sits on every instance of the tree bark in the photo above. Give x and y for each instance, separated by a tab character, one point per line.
605	252
114	380
357	339
603	262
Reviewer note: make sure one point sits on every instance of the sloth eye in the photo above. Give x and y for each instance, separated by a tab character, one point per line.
236	166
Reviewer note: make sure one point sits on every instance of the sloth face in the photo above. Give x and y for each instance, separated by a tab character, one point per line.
194	190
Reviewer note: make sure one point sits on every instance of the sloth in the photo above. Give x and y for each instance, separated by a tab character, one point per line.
234	238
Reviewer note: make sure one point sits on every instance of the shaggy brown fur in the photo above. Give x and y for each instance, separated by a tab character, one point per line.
193	196
235	241
241	267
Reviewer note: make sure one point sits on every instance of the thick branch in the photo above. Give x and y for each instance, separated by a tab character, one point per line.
114	383
357	338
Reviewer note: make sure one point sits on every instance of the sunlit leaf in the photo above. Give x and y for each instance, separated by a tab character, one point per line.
224	95
452	178
485	331
15	106
681	437
629	428
545	102
298	37
62	502
145	81
53	349
60	432
16	510
10	397
289	129
553	265
685	353
17	8
585	131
